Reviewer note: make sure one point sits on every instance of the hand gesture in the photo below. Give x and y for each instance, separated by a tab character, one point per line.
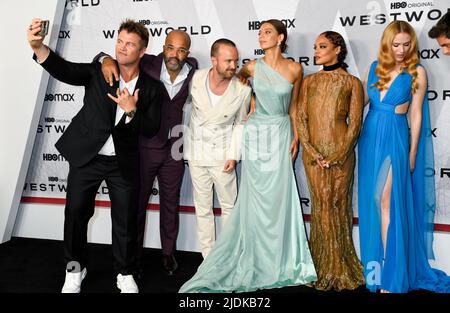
322	164
333	160
125	100
110	69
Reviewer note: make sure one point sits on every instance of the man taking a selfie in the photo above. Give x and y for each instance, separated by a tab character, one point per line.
101	144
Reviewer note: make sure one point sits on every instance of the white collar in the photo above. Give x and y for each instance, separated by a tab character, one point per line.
182	75
129	83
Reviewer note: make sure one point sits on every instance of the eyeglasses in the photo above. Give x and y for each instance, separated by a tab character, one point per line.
170	48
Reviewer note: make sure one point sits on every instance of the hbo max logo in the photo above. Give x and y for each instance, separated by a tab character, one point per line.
398	5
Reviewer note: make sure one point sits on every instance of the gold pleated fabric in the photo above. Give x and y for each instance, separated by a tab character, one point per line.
329	121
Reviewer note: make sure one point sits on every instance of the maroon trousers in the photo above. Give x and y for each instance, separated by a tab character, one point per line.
158	162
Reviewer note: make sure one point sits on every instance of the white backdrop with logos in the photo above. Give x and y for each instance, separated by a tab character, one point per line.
18	127
90	26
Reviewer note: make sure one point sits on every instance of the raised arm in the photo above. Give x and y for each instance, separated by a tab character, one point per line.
147	118
246	72
243	75
71	73
110	69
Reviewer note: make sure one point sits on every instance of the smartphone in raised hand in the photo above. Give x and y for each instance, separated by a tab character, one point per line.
44	28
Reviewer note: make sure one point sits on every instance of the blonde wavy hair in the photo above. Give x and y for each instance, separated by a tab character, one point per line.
386	59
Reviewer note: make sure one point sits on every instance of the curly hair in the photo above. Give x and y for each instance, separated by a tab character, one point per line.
386	59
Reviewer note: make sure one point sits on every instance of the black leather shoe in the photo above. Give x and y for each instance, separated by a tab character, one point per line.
170	265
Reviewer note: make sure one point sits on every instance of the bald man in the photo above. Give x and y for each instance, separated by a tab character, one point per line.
174	68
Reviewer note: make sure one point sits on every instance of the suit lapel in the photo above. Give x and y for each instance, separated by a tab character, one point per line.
185	84
224	105
154	71
140	84
203	92
112	104
158	66
228	96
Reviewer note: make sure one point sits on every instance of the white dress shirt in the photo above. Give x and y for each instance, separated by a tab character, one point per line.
174	88
108	147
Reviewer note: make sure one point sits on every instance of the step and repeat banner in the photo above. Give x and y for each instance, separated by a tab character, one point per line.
90	26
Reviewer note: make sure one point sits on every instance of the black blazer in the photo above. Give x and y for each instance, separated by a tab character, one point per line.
94	123
171	109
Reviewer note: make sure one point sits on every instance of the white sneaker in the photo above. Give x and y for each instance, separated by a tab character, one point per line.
72	284
126	284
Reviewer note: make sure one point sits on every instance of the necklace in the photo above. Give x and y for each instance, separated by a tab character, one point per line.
332	67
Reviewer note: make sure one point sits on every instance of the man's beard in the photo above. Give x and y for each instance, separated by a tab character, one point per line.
227	74
171	66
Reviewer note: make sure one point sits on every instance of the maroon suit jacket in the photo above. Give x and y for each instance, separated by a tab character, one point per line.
171	109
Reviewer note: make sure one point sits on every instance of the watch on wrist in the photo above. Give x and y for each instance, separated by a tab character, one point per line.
131	113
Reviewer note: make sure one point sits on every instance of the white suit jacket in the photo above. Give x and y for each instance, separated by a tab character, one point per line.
214	133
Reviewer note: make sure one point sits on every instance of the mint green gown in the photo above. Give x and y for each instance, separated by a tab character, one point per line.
264	243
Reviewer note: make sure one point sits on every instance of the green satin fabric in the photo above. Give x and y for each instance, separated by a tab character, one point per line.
264	243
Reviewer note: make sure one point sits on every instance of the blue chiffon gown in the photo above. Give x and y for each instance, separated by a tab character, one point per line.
264	243
383	145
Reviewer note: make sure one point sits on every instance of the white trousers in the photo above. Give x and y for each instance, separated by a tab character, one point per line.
204	178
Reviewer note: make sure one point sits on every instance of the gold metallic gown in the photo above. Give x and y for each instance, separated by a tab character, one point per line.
329	121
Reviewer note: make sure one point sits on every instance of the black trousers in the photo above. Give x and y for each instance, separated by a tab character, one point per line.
82	185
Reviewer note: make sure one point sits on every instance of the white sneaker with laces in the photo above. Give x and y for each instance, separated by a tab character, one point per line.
72	283
126	284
